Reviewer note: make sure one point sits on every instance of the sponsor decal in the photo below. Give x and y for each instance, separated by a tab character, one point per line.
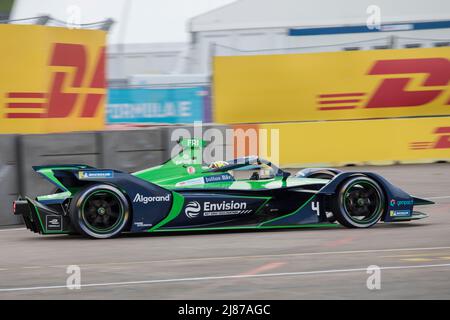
192	209
139	198
392	92
405	202
190	182
400	213
141	224
219	178
100	174
193	143
156	105
221	208
66	88
53	223
190	170
225	208
401	203
442	140
186	159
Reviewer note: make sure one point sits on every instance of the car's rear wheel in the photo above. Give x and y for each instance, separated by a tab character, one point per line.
360	203
99	211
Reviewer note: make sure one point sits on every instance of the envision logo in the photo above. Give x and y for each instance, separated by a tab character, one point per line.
224	205
145	200
54	222
192	209
210	209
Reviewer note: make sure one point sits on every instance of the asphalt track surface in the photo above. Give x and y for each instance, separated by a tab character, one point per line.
314	263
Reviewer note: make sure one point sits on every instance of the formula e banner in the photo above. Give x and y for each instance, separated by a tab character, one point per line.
332	85
52	79
139	105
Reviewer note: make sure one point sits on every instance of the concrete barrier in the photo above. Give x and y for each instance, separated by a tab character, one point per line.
49	149
131	150
9	188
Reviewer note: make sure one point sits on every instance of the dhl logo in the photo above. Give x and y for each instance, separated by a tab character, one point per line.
441	142
65	87
392	92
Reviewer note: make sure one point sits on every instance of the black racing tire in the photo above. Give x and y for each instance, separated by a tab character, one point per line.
359	202
99	211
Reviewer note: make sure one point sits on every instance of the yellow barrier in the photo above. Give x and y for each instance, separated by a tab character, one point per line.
51	79
337	143
332	85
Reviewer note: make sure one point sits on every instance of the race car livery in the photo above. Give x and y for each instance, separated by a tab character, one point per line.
182	194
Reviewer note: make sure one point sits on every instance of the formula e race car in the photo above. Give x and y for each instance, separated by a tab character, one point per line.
182	195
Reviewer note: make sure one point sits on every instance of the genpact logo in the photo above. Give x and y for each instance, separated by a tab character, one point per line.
192	209
400	203
147	199
405	202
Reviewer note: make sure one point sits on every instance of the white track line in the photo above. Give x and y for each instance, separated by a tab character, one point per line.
437	198
235	257
264	275
13	229
256	256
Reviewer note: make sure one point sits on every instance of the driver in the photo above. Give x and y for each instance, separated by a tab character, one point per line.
262	174
218	164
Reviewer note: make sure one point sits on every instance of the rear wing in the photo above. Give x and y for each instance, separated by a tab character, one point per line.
62	166
61	176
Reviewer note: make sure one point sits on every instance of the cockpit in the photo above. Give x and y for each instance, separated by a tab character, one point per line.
260	169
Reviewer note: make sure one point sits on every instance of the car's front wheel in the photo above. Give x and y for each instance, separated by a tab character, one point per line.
99	211
360	202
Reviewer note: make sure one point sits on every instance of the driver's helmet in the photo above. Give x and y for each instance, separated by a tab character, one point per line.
218	164
266	173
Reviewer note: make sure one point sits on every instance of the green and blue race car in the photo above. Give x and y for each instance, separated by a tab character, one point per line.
183	194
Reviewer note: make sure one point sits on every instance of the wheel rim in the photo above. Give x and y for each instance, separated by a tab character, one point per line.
363	202
102	211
